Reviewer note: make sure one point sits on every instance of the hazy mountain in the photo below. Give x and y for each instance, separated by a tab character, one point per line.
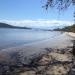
4	25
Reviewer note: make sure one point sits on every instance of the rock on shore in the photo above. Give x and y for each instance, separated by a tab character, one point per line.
55	62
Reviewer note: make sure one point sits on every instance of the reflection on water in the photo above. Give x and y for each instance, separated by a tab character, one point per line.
14	37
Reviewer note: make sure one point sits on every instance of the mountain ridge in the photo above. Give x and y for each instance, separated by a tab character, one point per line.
4	25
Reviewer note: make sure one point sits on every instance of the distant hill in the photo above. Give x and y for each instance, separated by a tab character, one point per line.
4	25
67	28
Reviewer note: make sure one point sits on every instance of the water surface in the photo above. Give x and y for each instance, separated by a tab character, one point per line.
14	37
25	44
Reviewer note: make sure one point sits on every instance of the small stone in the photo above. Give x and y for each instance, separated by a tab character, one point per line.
45	60
41	68
28	73
60	57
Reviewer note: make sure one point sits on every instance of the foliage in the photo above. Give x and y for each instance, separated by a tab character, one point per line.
59	4
67	28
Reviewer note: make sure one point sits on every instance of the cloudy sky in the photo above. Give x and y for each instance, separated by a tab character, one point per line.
31	14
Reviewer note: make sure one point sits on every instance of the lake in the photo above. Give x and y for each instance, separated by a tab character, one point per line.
23	44
14	37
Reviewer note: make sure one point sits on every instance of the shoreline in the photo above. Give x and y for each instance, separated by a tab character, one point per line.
44	42
70	34
33	66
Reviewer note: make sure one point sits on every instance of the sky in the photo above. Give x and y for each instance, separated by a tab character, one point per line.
31	14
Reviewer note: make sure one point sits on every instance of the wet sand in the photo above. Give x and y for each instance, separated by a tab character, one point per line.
71	34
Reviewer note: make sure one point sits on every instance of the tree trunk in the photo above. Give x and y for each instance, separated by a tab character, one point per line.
73	47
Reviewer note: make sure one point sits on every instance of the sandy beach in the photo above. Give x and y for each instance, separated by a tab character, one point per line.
71	34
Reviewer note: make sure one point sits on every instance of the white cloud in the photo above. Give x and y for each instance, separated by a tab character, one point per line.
37	23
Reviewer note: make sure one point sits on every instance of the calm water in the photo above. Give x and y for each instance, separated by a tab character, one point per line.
38	41
14	37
